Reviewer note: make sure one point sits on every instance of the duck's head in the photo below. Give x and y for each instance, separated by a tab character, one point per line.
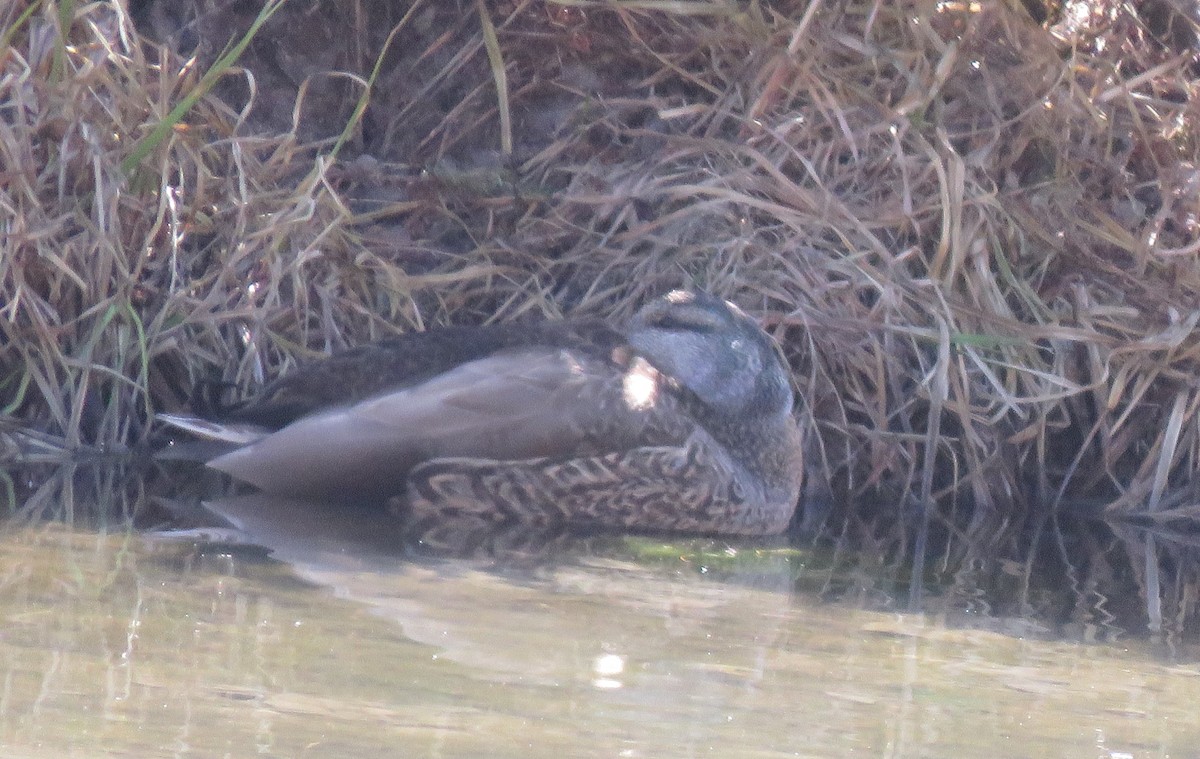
712	348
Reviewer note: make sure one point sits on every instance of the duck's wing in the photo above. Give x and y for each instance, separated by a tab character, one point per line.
402	362
521	404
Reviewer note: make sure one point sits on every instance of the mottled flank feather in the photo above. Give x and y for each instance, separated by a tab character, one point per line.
682	488
681	420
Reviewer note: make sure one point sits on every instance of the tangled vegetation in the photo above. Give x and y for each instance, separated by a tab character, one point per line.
973	227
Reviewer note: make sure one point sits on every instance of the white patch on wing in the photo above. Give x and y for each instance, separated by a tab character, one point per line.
640	385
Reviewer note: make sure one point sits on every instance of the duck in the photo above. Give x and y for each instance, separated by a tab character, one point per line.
679	420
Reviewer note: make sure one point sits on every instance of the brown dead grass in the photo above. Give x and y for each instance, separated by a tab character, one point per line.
976	235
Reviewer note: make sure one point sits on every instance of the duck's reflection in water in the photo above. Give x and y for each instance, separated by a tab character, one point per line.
300	532
531	605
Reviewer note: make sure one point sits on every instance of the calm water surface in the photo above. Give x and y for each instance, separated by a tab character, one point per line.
124	644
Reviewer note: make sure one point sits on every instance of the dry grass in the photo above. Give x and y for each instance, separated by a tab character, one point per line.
975	234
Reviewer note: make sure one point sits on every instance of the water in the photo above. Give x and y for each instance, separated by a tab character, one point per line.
118	643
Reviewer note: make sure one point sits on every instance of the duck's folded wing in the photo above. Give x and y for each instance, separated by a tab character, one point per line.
525	404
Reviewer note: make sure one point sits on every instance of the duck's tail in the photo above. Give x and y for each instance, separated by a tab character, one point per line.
221	432
212	439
